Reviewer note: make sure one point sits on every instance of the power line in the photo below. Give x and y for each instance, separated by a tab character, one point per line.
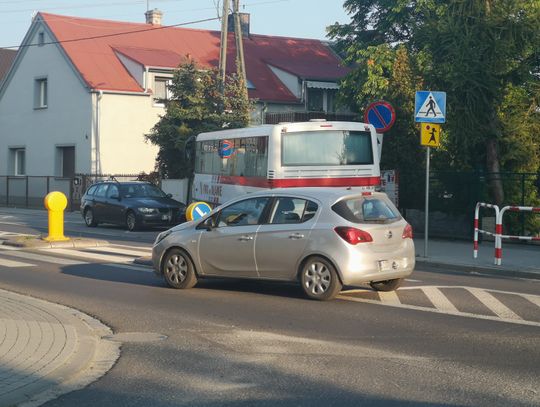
112	35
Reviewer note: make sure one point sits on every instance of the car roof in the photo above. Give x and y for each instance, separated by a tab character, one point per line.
322	194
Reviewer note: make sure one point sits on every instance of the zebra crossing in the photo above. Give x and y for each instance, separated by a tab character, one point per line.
472	302
120	256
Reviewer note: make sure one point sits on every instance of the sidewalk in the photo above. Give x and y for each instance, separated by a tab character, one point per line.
47	350
518	260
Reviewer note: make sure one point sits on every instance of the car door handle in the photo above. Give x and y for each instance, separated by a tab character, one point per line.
296	236
245	238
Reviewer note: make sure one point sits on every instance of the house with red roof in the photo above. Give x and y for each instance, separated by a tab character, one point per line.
82	93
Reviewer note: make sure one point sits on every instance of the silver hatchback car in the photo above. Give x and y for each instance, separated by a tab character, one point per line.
324	238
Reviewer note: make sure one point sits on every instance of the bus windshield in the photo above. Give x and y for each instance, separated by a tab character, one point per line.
335	147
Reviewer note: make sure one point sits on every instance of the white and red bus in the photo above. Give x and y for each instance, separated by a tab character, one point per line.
229	163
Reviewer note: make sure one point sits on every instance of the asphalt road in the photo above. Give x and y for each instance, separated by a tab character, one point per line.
248	343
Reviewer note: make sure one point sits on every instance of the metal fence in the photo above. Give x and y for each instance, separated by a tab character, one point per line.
29	191
453	197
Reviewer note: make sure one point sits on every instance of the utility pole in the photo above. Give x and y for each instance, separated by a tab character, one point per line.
223	44
241	64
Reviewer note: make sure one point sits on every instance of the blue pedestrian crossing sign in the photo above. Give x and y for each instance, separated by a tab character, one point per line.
430	107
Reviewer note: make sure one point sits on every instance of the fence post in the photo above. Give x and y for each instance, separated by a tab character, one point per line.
26	192
7	190
522	215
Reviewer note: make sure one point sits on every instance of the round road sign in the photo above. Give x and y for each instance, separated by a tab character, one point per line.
197	210
381	115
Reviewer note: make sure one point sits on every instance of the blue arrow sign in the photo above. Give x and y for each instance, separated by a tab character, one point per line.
430	107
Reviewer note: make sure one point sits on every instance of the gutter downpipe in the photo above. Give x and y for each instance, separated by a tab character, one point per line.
146	69
98	132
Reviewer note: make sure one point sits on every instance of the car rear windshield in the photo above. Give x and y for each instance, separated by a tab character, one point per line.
141	191
366	210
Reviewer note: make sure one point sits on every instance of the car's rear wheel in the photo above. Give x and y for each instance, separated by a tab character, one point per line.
178	269
131	221
89	218
319	279
386	285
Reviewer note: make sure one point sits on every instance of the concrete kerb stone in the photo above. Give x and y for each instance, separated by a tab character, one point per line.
441	266
35	242
90	355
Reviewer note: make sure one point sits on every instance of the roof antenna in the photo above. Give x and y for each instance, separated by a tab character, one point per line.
147	5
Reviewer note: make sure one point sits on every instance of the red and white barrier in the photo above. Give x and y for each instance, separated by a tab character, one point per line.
499	223
498	227
485	232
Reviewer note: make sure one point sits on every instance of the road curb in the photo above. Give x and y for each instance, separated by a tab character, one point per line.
435	265
78	355
38	243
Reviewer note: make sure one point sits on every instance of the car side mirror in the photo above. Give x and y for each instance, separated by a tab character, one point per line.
206	225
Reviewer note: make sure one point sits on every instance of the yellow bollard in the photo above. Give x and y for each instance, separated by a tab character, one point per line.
56	202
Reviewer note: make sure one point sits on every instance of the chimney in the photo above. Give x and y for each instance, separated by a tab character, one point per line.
244	23
153	17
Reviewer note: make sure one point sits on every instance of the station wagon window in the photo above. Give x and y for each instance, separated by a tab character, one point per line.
292	210
246	212
101	189
366	210
91	190
113	190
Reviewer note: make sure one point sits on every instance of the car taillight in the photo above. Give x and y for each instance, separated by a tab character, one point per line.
353	235
407	232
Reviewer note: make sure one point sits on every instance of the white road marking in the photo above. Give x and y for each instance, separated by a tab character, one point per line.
115	250
485	296
6	247
92	256
410	280
11	263
493	304
438	299
535	299
389	297
44	258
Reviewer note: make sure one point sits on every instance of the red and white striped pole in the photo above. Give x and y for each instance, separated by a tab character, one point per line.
498	229
477	230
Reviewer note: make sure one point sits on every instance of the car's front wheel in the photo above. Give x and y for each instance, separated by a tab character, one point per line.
319	279
89	218
131	222
386	285
178	269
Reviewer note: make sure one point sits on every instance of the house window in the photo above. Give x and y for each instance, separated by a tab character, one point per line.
41	39
40	93
17	161
161	91
321	96
65	161
315	100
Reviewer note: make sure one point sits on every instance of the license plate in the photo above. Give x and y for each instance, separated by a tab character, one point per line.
384	265
165	217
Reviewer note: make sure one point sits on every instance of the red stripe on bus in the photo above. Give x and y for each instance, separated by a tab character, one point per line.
326	182
262	182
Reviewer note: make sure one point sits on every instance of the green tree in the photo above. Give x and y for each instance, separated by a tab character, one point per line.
196	105
478	51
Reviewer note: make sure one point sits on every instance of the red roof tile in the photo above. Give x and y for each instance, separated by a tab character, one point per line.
6	59
96	60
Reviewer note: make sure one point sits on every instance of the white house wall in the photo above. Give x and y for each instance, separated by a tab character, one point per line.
124	121
65	122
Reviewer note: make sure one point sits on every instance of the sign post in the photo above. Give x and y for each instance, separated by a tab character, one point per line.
430	109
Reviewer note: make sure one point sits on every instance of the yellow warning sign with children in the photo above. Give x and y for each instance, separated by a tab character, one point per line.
430	135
